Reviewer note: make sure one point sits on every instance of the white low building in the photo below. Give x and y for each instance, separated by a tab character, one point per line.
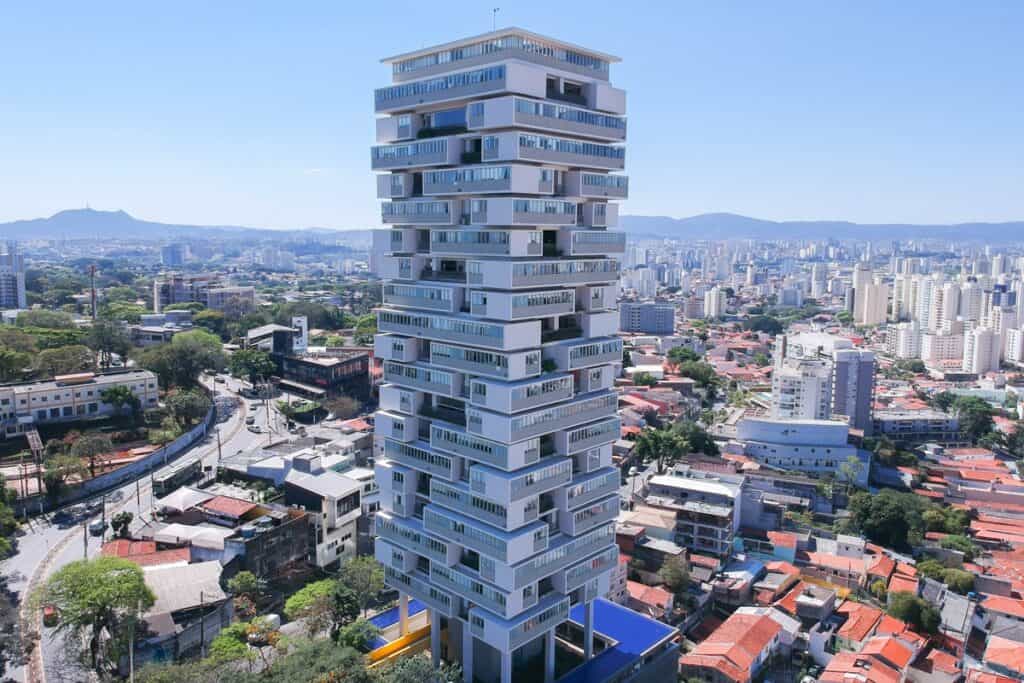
818	447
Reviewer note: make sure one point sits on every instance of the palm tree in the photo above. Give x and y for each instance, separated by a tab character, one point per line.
660	445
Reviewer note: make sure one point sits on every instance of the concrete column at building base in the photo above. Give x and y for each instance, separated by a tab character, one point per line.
506	667
435	637
588	630
403	614
549	656
467	654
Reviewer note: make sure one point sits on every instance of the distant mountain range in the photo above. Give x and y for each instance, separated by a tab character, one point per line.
728	225
89	223
76	224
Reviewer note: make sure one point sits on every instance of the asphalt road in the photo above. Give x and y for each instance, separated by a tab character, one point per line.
46	545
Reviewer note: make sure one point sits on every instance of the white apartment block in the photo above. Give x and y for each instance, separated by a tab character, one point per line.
981	351
67	398
714	302
802	389
498	158
903	340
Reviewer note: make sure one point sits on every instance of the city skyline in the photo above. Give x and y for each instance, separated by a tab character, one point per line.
803	113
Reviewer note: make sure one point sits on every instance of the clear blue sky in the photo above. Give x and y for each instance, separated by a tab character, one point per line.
260	113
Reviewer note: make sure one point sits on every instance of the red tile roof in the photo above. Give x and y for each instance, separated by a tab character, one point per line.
890	649
860	621
1005	653
734	646
902	584
652	596
1003	605
228	507
938	660
851	666
172	556
123	547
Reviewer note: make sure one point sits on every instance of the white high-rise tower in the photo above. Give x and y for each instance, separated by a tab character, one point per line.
498	154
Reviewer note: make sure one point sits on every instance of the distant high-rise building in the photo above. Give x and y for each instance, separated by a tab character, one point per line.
174	255
647	317
12	278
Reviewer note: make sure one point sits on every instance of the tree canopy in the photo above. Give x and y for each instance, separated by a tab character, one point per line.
97	596
179	362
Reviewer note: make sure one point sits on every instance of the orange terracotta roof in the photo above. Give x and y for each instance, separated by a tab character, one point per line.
1005	653
851	666
883	566
902	584
652	596
783	539
734	646
172	556
229	507
845	564
123	547
939	660
1004	605
860	620
890	649
788	602
979	676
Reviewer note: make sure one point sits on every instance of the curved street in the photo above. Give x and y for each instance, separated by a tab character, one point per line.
45	546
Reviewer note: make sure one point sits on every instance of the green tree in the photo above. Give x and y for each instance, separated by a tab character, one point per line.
188	407
64	360
962	544
179	362
675	575
958	580
121	523
90	447
943	401
59	469
850	471
358	635
763	323
96	599
193	306
231	645
918	613
419	670
975	416
363	575
889	518
879	590
313	603
121	396
121	311
214	321
108	337
246	583
661	446
251	363
682	354
644	379
13	364
695	438
44	318
17	340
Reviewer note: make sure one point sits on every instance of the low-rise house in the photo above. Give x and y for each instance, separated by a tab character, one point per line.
653	601
1004	657
333	501
735	652
190	609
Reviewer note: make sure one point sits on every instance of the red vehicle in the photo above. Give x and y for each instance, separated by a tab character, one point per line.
49	616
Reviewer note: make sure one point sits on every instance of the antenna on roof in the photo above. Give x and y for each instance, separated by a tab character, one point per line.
494	18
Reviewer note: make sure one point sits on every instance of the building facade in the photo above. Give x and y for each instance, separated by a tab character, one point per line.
12	278
70	398
647	317
497	155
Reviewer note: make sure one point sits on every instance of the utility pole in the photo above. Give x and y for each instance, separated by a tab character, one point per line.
103	518
202	626
85	542
92	289
138	497
217	430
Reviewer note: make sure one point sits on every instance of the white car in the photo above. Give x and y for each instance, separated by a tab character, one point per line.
255	429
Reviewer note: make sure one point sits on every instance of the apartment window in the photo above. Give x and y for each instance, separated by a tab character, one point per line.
441	85
571	146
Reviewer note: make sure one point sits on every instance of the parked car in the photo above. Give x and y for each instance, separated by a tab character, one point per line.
250	420
219	379
97	527
255	429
